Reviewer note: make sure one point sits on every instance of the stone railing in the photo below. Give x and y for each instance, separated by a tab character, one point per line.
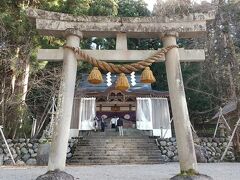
207	149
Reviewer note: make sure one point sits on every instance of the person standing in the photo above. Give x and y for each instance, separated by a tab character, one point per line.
95	123
120	126
103	125
113	123
116	120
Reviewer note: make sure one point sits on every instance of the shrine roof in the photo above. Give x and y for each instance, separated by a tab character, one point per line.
85	88
85	85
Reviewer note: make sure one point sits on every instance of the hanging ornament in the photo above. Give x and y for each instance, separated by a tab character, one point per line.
147	76
122	82
95	77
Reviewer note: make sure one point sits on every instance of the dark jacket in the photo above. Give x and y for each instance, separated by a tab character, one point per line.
120	122
103	124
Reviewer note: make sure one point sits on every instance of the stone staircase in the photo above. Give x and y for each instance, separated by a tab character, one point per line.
109	148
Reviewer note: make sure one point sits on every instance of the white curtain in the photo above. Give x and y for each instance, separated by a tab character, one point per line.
87	113
161	117
153	114
144	114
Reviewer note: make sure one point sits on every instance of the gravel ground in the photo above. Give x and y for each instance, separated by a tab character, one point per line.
219	171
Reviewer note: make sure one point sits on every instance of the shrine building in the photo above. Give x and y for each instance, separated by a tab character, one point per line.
106	101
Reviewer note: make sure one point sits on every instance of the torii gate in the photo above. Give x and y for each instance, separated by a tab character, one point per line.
75	28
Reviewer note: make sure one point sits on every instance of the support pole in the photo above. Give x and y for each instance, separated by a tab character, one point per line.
186	151
59	144
51	124
229	143
169	127
34	124
4	139
219	117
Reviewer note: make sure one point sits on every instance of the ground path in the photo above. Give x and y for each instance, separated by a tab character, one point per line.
219	171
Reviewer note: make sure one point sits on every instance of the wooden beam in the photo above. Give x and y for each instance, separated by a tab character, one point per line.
195	55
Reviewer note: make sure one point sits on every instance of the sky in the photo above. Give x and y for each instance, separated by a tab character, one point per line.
152	2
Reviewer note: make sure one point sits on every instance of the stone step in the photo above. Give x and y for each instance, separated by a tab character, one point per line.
115	136
107	152
117	140
118	157
117	154
143	144
102	150
106	162
109	148
118	146
116	160
126	150
119	151
148	146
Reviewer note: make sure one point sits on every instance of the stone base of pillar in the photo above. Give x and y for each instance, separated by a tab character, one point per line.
192	177
56	175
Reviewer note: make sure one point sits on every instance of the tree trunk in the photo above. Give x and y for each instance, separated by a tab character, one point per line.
19	87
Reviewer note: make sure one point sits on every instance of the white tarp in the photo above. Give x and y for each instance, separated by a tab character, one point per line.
153	114
87	113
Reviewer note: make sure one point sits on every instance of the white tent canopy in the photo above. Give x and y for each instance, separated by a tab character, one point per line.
153	114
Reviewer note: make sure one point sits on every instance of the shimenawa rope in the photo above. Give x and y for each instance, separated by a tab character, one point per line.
123	68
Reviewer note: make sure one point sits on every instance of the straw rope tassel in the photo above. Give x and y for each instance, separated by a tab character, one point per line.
95	77
147	76
122	82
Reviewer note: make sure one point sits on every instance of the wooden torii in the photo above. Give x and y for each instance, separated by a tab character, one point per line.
75	28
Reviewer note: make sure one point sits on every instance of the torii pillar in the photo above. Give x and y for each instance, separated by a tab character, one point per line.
184	138
58	150
186	152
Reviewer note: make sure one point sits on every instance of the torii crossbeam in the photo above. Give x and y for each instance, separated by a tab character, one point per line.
75	28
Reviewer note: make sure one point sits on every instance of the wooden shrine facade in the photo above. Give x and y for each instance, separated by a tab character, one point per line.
112	102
